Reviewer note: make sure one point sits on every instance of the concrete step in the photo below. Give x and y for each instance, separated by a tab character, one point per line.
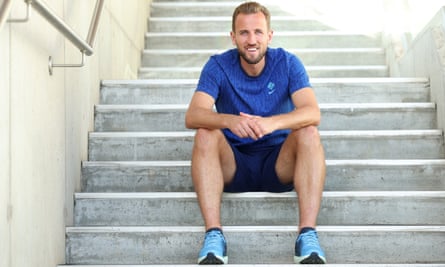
357	116
260	208
315	10
219	8
345	71
310	57
341	90
290	40
270	265
143	146
249	244
341	175
224	24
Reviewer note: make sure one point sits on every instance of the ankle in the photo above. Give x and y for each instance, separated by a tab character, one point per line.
306	229
214	229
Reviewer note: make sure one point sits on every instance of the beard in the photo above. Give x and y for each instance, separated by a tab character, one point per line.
252	61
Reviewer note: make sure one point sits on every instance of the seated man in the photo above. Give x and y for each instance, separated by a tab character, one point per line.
263	135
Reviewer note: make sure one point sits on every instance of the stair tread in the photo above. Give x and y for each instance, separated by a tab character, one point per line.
183	107
264	265
334	133
314	81
280	228
263	195
329	162
308	68
293	50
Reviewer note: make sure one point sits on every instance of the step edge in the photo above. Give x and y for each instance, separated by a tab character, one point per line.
308	67
379	80
329	162
306	33
261	195
265	265
323	228
323	106
293	50
340	133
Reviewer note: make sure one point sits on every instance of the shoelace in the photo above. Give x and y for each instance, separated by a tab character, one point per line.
213	238
310	239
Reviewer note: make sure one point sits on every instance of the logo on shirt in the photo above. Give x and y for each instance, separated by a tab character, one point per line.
271	88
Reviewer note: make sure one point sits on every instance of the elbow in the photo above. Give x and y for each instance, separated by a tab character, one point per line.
317	118
189	121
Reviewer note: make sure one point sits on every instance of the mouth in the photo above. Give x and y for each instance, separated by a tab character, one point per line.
252	49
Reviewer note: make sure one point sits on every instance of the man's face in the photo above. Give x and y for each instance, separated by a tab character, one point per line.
251	37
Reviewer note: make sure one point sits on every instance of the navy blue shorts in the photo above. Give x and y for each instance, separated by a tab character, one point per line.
255	171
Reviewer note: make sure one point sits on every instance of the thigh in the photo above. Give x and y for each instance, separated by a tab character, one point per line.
286	160
213	155
270	181
227	159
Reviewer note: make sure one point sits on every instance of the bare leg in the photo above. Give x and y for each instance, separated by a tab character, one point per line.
213	164
302	161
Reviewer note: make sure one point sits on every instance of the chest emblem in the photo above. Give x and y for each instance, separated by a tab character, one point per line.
271	88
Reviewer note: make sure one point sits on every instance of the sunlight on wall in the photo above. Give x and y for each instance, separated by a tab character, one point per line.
342	15
390	16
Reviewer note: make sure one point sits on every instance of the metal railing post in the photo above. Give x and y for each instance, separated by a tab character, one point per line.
94	25
4	11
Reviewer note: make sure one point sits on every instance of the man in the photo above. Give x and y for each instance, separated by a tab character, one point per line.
263	135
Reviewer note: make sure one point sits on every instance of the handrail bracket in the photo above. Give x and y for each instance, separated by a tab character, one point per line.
26	18
85	47
51	65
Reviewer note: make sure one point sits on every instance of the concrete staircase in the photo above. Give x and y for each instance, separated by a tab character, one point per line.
384	200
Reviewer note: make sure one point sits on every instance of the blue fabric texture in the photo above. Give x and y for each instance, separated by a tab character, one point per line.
265	95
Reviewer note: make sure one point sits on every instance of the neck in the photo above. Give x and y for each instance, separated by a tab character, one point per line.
253	69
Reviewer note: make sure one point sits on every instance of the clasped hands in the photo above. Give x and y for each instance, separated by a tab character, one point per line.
255	127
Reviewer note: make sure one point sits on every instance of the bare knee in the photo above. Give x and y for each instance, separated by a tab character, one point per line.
205	138
306	136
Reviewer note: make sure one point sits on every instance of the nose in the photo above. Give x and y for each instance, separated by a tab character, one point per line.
251	39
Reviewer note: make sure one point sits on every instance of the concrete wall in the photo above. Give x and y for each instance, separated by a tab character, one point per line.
424	56
45	120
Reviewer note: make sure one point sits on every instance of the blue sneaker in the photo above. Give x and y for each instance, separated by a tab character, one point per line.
214	250
307	248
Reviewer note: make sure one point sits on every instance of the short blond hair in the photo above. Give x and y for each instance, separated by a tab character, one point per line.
250	8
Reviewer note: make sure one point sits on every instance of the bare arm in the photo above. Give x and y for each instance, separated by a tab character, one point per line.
200	114
306	113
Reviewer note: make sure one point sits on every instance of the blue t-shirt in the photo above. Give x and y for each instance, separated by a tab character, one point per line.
265	95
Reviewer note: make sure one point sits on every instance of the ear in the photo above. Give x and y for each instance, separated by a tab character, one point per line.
270	35
232	36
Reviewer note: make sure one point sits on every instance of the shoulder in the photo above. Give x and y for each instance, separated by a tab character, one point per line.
280	56
226	57
279	53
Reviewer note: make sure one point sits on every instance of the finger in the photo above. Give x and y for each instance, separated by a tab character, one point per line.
253	130
242	114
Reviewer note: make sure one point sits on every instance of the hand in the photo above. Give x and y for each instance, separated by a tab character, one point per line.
251	126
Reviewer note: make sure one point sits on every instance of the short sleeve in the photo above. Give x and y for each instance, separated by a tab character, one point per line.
210	80
298	76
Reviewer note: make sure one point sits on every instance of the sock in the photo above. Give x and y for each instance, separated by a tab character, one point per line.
306	229
214	229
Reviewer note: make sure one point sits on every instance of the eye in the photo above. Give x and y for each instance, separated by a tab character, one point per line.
259	32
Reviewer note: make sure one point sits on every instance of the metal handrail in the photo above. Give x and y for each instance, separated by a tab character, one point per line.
4	11
62	27
85	47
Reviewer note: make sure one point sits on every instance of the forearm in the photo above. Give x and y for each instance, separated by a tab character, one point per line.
203	118
298	118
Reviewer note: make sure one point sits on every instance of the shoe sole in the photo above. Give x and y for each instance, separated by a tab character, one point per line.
212	259
311	259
